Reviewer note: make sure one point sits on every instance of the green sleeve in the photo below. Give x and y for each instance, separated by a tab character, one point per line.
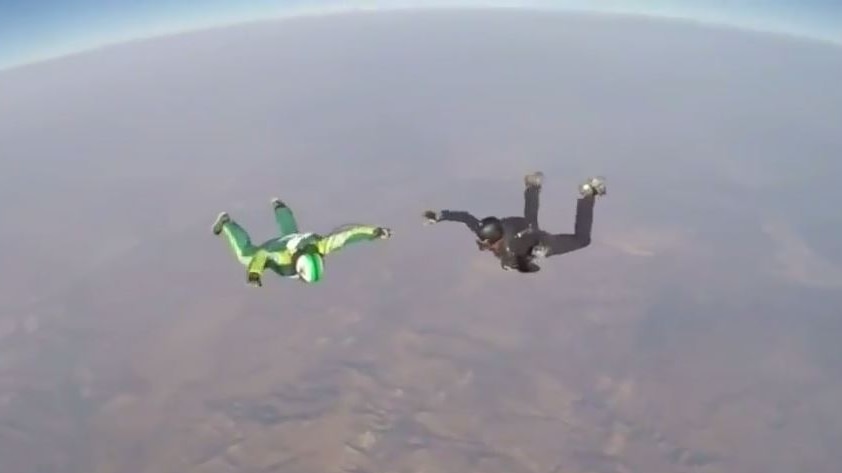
258	262
346	235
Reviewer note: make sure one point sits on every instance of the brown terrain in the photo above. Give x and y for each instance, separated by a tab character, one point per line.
699	333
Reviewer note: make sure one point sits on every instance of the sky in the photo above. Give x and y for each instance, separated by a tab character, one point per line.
34	30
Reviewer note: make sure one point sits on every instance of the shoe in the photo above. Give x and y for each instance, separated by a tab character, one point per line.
431	217
383	233
594	186
254	280
277	203
536	179
220	222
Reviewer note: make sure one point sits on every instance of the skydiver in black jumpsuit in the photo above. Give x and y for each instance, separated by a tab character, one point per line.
518	241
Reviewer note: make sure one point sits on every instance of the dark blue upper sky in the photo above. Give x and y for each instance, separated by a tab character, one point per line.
35	29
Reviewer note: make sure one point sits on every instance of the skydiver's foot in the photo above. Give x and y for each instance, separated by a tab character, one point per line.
383	233
431	217
278	203
535	179
254	279
594	186
220	222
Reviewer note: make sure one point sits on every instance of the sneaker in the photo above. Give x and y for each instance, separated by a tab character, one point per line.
220	222
536	179
593	186
277	203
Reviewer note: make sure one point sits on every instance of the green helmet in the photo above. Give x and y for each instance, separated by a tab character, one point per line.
310	266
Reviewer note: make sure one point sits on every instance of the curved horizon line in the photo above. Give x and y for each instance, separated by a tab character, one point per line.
345	9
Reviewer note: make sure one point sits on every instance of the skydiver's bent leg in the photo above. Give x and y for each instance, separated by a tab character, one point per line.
284	218
531	198
558	244
238	239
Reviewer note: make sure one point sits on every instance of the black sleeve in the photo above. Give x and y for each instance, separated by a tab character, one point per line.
462	217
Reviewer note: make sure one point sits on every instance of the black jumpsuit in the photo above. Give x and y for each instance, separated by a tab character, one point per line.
522	234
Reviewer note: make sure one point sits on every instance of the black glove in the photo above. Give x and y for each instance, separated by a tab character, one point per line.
431	216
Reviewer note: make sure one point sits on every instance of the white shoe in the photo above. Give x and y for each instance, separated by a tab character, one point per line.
593	186
535	179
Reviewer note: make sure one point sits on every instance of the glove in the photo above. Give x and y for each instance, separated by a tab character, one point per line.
431	217
254	279
383	233
540	251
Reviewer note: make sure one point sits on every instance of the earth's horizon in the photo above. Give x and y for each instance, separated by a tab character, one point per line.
698	333
350	15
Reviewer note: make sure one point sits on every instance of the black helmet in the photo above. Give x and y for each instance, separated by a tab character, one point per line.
490	229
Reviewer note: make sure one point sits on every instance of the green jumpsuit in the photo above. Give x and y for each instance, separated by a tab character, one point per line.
277	254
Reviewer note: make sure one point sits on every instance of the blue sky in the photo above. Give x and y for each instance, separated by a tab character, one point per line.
31	30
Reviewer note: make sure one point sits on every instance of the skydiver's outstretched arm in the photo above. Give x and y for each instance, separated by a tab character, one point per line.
453	216
284	218
256	267
564	243
349	234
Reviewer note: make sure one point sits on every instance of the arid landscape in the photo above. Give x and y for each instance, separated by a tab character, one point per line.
698	333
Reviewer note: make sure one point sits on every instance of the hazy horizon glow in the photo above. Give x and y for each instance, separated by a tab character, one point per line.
32	32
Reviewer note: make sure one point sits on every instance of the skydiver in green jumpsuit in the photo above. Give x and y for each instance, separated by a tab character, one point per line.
293	254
